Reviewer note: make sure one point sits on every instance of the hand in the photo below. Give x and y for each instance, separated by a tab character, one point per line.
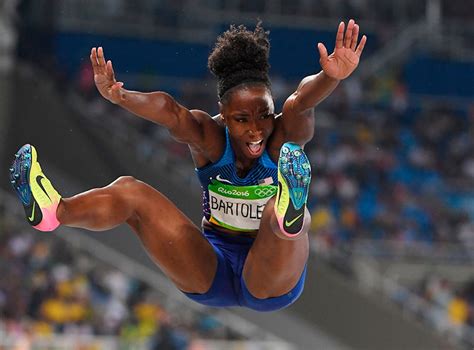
104	77
345	58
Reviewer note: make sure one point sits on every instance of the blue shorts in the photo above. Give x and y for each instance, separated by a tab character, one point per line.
228	287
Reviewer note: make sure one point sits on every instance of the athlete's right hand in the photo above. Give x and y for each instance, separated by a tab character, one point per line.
104	77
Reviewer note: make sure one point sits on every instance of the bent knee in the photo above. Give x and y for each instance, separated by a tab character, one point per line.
129	183
125	181
128	188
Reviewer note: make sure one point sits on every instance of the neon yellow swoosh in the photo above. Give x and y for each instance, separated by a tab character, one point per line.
289	223
33	212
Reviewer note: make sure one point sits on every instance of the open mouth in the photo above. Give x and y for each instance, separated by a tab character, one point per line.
255	147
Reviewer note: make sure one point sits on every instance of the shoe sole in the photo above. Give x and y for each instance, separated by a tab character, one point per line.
39	205
294	173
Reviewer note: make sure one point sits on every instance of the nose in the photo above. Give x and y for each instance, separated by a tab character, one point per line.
255	130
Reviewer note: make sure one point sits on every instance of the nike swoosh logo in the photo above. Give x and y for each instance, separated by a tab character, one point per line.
289	223
31	218
39	178
279	192
219	178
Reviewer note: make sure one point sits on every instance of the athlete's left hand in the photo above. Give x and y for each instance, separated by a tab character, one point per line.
345	58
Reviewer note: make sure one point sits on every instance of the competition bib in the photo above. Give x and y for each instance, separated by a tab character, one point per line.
238	208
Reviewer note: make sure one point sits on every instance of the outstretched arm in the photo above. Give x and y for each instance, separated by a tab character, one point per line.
335	67
315	88
158	107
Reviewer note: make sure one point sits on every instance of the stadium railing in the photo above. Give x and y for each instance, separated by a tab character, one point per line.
371	279
413	251
73	342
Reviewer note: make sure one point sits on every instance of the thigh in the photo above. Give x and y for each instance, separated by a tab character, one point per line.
172	240
274	266
222	292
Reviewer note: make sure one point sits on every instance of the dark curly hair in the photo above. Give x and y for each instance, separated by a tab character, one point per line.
240	56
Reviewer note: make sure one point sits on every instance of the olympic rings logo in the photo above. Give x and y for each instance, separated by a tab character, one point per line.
265	192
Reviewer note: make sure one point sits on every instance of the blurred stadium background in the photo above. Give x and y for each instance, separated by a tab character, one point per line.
392	196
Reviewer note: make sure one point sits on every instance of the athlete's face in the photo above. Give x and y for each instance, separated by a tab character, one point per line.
249	114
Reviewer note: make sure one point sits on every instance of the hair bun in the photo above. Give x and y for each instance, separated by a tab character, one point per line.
240	56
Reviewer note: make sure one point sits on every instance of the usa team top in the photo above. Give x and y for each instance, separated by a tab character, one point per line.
233	202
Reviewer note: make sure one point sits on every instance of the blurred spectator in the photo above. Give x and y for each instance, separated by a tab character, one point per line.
64	291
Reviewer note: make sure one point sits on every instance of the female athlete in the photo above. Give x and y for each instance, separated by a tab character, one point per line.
252	248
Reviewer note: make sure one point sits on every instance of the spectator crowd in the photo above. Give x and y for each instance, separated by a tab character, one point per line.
386	168
49	287
447	306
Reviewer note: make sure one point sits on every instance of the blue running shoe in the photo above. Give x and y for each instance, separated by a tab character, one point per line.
294	177
39	198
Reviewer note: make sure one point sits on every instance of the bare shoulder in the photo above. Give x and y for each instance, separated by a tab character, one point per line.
200	114
212	145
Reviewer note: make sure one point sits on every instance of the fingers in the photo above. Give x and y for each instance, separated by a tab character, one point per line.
97	57
117	86
360	48
348	36
323	52
355	37
109	70
116	93
93	57
100	56
340	36
99	65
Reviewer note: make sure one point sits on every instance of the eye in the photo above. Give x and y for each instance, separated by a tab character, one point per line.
240	119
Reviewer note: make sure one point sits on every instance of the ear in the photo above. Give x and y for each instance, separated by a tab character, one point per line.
221	109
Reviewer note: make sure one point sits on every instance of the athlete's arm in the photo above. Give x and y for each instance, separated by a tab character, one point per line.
335	67
315	88
158	107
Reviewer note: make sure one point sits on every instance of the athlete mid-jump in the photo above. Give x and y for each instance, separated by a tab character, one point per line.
252	247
